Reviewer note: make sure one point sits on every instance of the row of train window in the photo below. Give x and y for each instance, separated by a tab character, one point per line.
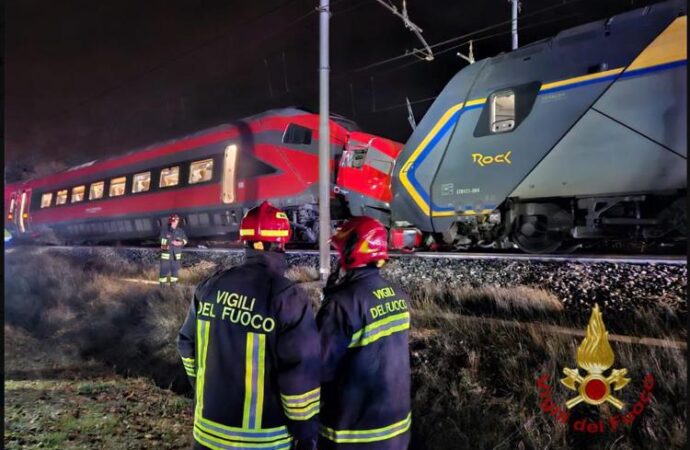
199	171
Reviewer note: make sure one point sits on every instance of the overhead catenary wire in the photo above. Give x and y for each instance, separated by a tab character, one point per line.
309	85
466	36
449	49
482	38
166	62
336	76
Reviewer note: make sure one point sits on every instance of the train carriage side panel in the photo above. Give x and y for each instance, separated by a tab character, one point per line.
612	149
651	95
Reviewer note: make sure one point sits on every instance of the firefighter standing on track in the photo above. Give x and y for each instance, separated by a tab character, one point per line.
173	239
364	326
251	348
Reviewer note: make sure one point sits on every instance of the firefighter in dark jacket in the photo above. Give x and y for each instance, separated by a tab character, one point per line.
251	348
364	326
173	239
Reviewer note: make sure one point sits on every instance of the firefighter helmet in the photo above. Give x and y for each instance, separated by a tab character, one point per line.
172	218
265	223
361	241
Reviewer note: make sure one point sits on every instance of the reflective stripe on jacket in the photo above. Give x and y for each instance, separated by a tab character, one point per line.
364	330
167	236
250	346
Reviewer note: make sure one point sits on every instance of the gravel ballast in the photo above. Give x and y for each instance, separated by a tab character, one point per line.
615	286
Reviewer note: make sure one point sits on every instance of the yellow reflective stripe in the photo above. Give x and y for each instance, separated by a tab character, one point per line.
202	333
165	255
302	406
372	435
381	328
189	366
162	279
241	435
305	413
178	255
188	363
217	443
248	373
265	433
246	232
164	241
300	400
254	380
260	380
274	233
173	278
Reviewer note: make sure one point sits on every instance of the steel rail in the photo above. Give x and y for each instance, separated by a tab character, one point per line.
675	260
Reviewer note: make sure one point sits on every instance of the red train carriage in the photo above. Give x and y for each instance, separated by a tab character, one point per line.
210	178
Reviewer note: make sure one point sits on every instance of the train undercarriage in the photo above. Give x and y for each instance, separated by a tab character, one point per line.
562	225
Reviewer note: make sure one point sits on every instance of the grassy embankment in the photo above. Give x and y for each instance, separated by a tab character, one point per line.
89	358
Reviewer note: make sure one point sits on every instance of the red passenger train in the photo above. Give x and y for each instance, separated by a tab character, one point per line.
210	179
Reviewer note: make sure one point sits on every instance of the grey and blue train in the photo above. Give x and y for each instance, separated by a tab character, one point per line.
574	139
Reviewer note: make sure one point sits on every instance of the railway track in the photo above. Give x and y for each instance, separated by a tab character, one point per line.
676	260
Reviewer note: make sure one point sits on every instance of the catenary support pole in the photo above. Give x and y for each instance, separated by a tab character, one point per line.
324	144
513	26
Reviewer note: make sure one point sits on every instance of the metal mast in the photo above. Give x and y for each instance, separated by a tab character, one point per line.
513	28
324	144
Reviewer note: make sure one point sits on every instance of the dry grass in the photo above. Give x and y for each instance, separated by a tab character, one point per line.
109	413
125	326
473	380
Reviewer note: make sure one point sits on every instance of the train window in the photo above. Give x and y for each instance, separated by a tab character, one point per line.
297	134
61	197
13	202
201	171
96	190
141	182
46	199
78	194
117	186
170	176
502	111
354	158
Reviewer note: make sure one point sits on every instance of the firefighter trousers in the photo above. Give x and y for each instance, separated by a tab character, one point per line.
170	265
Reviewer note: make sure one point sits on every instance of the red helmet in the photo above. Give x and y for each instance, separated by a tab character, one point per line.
360	241
265	223
173	217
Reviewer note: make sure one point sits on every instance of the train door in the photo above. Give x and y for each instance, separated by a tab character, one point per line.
23	213
229	174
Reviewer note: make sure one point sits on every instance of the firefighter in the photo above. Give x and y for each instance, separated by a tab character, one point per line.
364	326
173	239
251	348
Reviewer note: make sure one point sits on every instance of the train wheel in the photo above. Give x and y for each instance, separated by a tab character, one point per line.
532	235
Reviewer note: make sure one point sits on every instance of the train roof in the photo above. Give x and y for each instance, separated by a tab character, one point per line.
285	112
587	30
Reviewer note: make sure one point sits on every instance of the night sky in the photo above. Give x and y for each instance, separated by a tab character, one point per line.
88	79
